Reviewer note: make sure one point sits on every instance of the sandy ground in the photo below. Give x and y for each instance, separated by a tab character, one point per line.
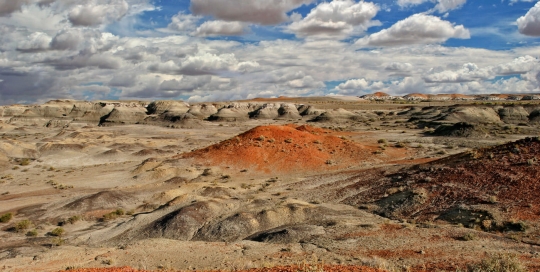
89	172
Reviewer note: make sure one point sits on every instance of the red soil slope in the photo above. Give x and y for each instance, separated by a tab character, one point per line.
510	174
506	177
294	268
289	148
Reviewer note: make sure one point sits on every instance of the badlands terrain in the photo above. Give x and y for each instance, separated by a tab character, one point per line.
293	184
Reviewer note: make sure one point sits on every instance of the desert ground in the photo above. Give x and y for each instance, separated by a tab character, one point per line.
312	184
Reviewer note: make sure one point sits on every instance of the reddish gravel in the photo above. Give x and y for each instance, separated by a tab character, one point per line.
508	175
290	148
505	177
293	268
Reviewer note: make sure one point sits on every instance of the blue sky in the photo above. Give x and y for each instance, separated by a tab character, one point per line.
210	50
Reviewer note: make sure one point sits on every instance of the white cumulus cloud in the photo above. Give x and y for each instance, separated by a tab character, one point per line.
182	22
37	41
529	24
442	6
336	18
9	6
221	28
262	12
416	29
97	12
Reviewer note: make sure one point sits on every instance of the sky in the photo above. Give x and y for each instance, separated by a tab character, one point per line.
219	50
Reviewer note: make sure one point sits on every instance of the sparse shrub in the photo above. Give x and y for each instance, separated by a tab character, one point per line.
498	263
492	199
288	140
400	145
469	237
24	162
261	138
441	152
32	233
57	232
119	212
6	217
74	219
7	177
23	225
57	241
382	141
109	216
15	168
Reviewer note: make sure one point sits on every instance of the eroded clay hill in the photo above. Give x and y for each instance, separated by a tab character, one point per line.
290	148
490	188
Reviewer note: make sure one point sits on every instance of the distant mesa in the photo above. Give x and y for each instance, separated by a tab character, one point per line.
181	115
380	96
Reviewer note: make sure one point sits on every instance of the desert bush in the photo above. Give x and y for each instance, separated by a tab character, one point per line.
400	145
6	217
288	140
119	212
74	219
113	215
23	225
57	232
24	162
469	237
498	263
32	233
57	241
382	141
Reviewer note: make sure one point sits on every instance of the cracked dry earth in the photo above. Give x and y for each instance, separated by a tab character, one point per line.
251	196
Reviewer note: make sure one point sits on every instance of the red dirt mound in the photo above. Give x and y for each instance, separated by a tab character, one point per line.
289	148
